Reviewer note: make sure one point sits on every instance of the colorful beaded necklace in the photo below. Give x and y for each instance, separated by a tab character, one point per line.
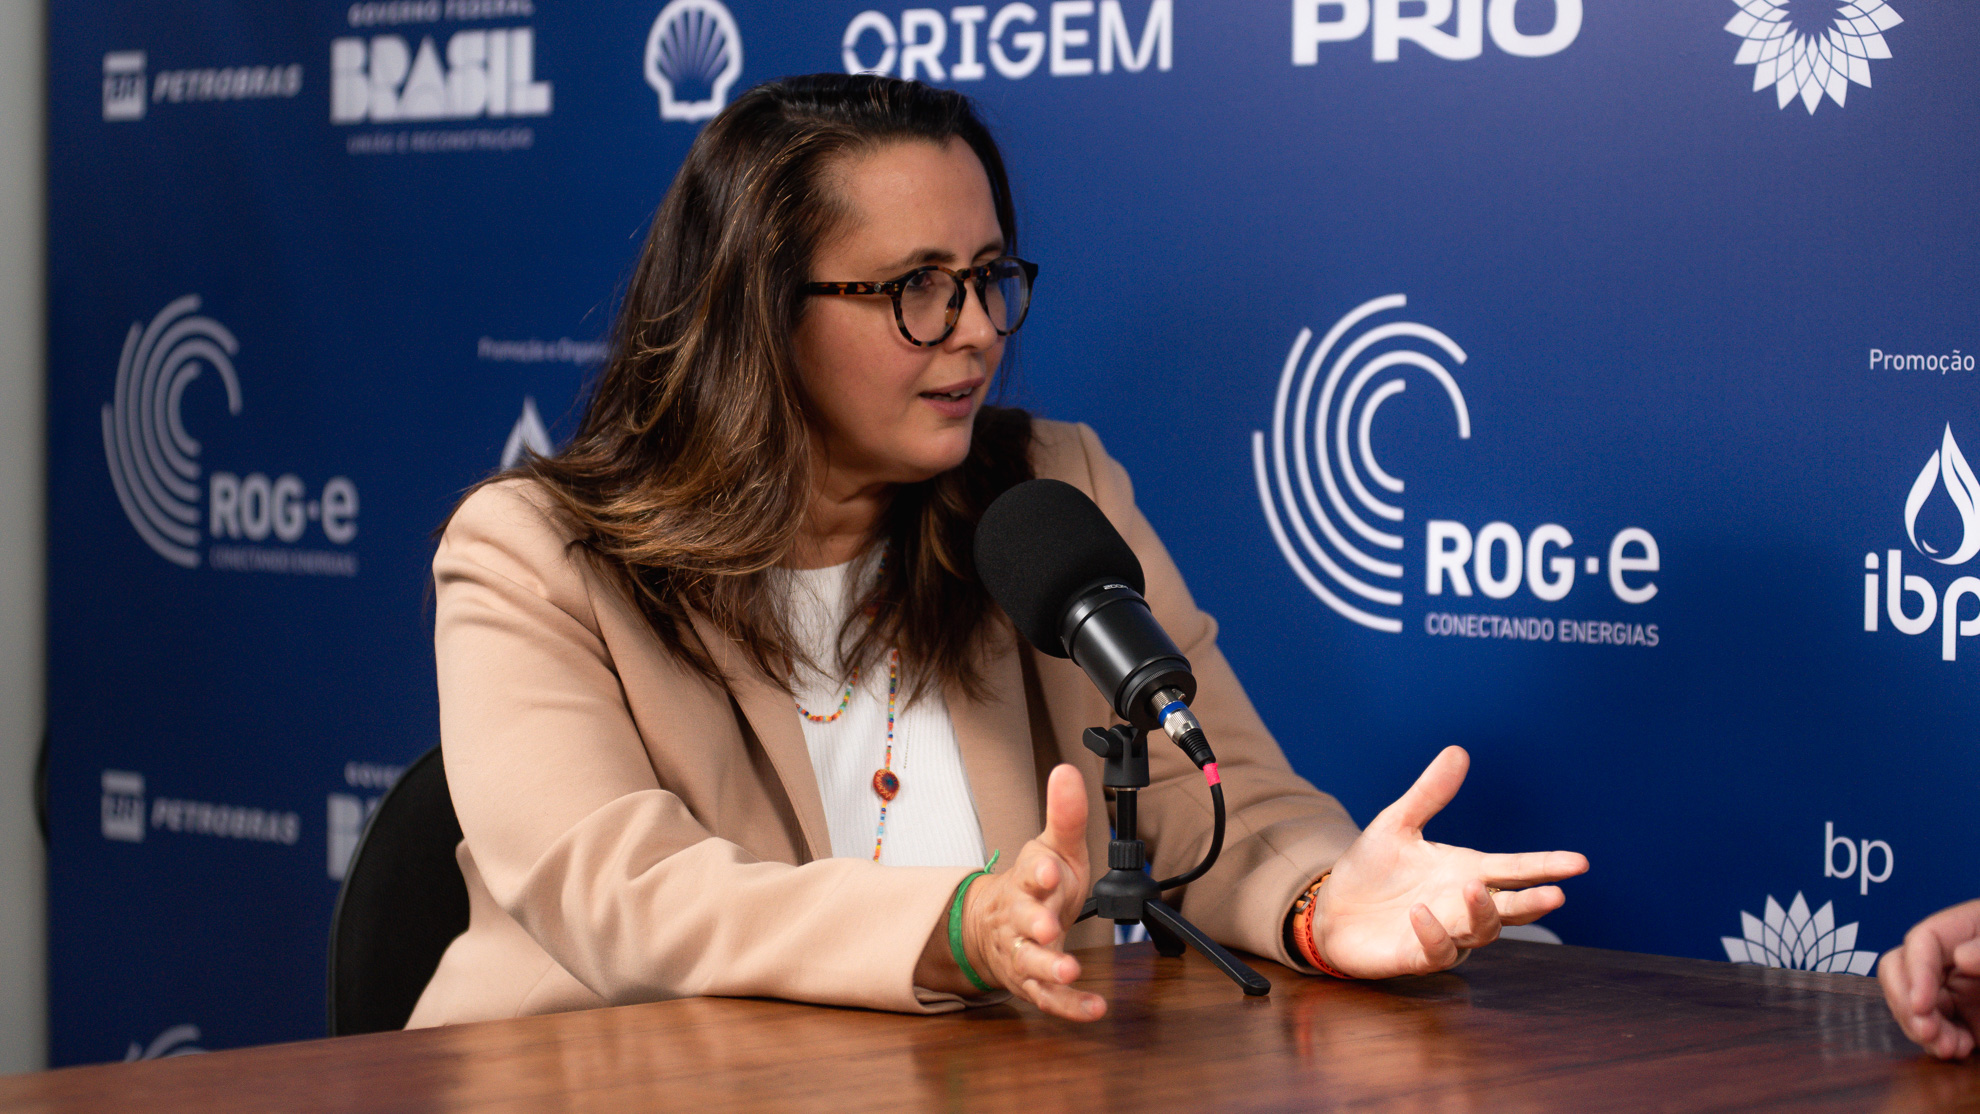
886	783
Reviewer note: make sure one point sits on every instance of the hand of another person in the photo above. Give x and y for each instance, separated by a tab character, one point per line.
1397	904
1932	981
1014	921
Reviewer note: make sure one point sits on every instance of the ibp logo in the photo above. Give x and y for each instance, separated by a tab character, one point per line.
1319	473
1347	20
693	57
1819	48
1947	472
155	468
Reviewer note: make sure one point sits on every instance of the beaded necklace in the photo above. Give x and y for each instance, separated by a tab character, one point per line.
886	783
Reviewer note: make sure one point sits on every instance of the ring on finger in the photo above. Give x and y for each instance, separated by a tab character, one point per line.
1490	890
1017	946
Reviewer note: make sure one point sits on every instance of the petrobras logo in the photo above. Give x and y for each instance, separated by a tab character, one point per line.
1442	28
1331	504
126	90
1069	38
155	467
123	806
693	57
1819	48
1941	525
1796	939
123	85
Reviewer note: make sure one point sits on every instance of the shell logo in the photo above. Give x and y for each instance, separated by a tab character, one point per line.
693	57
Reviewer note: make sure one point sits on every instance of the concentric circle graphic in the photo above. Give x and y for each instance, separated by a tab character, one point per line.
152	458
1807	65
1369	370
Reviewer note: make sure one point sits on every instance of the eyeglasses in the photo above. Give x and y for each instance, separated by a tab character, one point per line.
928	301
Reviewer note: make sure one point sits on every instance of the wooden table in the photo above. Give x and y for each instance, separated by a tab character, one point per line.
1520	1027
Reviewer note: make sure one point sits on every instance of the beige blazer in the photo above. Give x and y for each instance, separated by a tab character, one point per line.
636	832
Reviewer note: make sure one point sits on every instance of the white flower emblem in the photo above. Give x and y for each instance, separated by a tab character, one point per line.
1792	939
1806	64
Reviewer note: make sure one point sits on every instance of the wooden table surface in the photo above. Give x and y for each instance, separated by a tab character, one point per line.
1520	1027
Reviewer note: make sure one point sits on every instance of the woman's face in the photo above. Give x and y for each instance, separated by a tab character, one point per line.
887	410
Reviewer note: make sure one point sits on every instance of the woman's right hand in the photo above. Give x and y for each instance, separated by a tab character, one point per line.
1014	921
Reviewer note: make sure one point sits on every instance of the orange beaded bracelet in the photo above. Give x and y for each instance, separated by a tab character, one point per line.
1303	910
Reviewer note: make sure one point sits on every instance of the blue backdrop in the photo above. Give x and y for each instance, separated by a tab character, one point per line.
1670	520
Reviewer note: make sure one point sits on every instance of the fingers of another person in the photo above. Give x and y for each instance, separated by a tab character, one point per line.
1924	959
1433	790
1966	957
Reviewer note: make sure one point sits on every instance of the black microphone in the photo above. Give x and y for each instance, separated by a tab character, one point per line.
1072	587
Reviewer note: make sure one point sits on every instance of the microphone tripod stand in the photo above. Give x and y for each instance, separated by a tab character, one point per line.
1127	893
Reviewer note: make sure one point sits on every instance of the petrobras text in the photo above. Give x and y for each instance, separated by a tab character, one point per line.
1069	38
385	79
1334	21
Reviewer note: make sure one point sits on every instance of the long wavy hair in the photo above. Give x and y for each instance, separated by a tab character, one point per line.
691	470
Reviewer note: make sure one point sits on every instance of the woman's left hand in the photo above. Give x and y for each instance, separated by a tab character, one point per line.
1398	904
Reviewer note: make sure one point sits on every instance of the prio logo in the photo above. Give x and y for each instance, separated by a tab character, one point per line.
155	469
1324	429
1068	46
123	85
1791	938
693	57
1350	19
1945	471
527	436
1807	55
487	73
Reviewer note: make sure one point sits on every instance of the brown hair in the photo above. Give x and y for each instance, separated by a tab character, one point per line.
691	470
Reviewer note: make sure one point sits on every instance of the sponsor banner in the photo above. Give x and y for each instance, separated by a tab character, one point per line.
1581	382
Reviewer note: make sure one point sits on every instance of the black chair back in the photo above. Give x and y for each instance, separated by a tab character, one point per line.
402	903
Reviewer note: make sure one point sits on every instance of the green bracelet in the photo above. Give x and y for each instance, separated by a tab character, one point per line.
955	925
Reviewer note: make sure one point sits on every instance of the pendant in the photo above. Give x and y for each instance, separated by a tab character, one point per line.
886	784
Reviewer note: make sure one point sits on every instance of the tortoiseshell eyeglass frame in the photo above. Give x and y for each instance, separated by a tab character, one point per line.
979	276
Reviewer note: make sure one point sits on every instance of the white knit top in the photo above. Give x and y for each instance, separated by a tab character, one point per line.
932	820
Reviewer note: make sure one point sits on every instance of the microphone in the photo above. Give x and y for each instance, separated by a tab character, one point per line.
1072	587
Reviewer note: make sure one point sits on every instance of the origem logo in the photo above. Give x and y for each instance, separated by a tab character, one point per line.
693	57
155	469
1347	20
1947	472
1821	52
1321	450
1794	939
1077	38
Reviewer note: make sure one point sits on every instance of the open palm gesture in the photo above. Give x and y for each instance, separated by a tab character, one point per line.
1398	904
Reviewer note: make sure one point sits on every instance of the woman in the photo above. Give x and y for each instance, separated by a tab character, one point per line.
723	707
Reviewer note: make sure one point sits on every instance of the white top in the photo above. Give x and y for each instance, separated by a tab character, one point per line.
932	820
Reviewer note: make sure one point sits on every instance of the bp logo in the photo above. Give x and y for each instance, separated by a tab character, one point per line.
156	471
1795	939
693	57
1819	48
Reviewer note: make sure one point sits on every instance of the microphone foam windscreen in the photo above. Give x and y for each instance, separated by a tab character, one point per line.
1039	543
